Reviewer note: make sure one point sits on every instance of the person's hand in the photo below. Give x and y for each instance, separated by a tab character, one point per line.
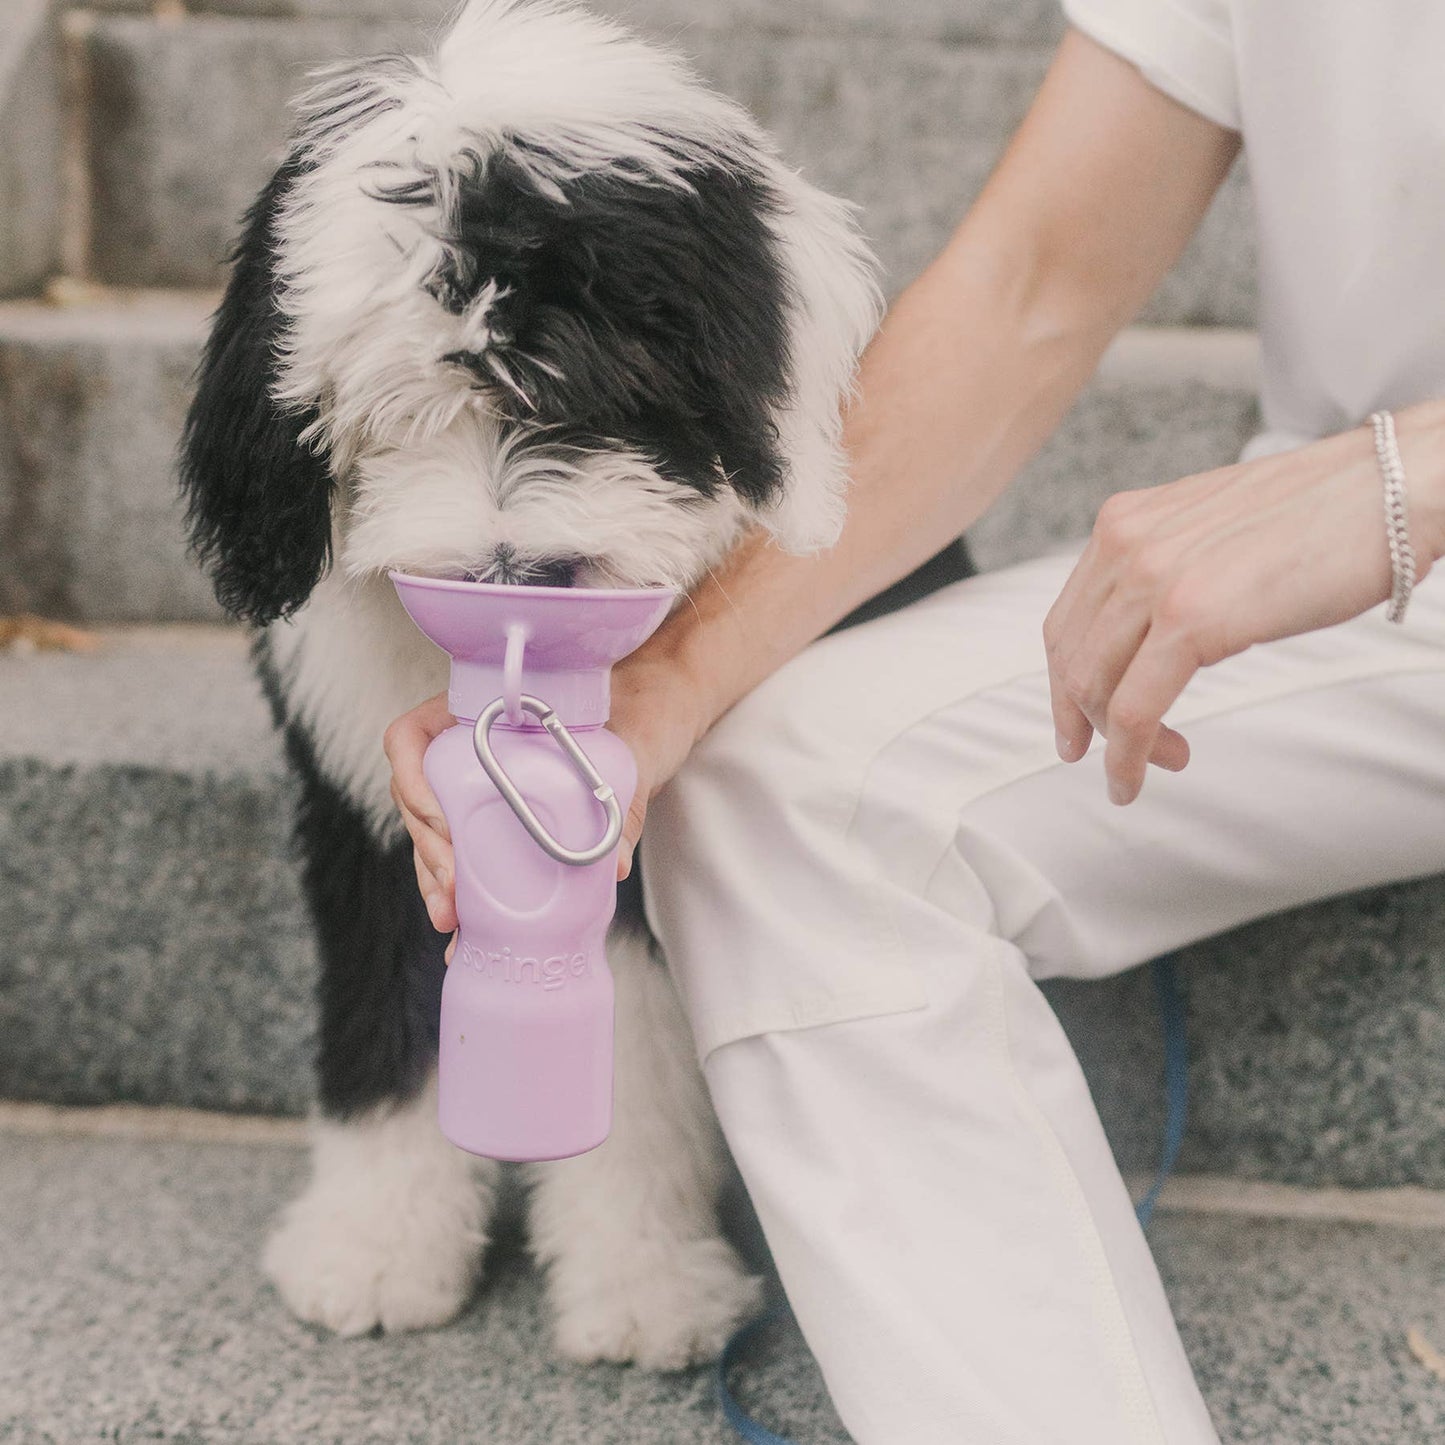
655	711
1181	576
406	742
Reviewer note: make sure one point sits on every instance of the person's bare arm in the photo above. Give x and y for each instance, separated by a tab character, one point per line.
977	361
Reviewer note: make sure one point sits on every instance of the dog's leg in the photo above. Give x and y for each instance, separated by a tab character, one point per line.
391	1228
637	1270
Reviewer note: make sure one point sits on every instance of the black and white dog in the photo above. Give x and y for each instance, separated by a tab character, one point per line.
539	307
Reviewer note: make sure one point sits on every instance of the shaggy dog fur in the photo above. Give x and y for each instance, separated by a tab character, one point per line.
538	307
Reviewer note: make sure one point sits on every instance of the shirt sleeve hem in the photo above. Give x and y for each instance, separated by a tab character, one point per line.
1176	51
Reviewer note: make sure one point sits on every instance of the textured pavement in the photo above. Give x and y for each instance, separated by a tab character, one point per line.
134	1311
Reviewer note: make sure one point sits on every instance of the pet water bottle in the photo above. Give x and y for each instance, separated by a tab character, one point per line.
534	789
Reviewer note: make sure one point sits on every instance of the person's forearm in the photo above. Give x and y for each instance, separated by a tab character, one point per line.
959	388
976	363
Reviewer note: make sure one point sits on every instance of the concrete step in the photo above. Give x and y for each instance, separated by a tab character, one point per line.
184	119
902	110
1166	402
155	943
1013	22
92	396
157	951
32	123
134	1309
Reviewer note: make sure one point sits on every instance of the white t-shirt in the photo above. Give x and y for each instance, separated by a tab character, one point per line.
1341	104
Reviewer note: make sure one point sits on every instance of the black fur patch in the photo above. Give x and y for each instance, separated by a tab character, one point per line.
258	499
380	985
632	313
943	569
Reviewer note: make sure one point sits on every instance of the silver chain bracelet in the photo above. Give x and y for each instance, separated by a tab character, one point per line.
1397	521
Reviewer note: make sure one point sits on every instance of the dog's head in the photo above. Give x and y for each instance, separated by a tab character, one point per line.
541	308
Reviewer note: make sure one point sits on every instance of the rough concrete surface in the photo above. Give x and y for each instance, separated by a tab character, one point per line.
1167	402
899	117
91	403
92	398
187	119
31	125
1317	1044
1004	21
154	944
135	1311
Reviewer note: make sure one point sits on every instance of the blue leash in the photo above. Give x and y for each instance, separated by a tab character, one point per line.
1173	1018
733	1413
1174	1021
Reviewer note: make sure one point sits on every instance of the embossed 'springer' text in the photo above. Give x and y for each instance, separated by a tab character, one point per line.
508	967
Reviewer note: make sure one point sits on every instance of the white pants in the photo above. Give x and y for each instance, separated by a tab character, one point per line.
858	879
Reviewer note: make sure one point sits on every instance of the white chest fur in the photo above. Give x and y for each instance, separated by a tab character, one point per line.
350	662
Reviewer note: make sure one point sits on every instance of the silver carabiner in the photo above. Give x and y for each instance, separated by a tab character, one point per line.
582	765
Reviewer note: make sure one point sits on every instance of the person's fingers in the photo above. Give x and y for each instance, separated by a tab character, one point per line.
1090	667
425	878
1069	621
405	743
1084	676
1088	581
1073	732
631	832
437	894
1072	729
1156	677
435	863
451	949
1085	668
435	851
1101	617
1171	750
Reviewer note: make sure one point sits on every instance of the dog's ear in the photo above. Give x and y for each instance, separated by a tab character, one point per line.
258	496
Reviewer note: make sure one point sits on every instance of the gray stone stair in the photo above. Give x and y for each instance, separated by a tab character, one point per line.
32	124
904	107
155	947
92	396
1017	22
134	1310
186	120
901	110
1166	402
175	791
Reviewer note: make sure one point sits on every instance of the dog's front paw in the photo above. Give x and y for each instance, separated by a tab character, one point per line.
662	1307
351	1265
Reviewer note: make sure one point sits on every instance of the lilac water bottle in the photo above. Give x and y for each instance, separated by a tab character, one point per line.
534	789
